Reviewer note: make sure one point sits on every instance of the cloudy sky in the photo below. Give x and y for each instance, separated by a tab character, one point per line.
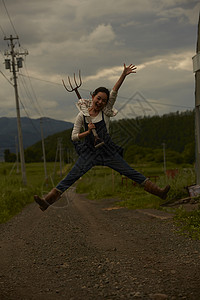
97	37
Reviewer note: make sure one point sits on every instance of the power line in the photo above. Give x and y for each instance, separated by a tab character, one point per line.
36	103
164	104
29	96
2	54
28	116
6	78
48	81
9	18
34	94
2	31
21	103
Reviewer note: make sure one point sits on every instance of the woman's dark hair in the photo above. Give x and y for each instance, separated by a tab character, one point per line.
101	89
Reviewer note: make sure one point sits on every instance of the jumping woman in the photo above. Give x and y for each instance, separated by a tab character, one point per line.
95	114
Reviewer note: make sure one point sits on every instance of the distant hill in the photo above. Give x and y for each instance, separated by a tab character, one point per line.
140	138
176	130
31	131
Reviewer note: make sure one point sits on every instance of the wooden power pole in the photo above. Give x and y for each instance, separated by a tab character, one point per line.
196	70
44	154
14	64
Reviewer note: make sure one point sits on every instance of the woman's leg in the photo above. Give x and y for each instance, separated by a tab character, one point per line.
120	165
79	169
117	163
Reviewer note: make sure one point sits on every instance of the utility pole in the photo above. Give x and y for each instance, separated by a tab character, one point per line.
60	152
55	161
164	158
17	156
196	70
14	64
43	150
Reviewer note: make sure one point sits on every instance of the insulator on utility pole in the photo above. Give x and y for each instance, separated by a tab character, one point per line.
19	62
7	64
13	65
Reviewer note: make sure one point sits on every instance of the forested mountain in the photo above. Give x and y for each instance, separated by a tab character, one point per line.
144	138
174	129
141	138
31	131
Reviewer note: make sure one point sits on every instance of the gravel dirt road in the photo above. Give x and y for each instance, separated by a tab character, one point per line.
86	250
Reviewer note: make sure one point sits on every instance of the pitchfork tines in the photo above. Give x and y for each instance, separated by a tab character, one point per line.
75	88
98	142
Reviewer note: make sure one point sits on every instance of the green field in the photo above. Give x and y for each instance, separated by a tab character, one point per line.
102	182
15	195
99	183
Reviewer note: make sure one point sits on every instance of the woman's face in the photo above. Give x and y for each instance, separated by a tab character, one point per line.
99	100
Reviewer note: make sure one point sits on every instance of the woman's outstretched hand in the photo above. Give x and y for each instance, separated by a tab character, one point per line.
129	69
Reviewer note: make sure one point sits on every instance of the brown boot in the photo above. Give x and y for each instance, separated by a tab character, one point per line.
152	188
49	199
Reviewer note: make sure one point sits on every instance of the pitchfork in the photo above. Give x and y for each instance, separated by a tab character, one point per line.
97	141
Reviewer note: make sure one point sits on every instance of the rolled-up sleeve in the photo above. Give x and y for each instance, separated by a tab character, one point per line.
109	110
77	127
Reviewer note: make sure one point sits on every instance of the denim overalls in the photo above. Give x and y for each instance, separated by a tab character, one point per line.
109	155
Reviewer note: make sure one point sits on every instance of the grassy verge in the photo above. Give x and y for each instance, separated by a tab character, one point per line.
104	183
188	223
14	195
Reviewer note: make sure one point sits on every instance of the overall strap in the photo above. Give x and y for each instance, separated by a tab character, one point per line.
102	115
85	123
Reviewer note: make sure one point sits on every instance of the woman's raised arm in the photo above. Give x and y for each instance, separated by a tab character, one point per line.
127	70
